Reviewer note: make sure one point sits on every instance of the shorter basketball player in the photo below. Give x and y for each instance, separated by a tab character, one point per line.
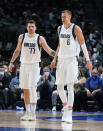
70	39
29	44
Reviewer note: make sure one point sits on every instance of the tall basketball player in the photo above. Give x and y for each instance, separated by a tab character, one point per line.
29	44
70	40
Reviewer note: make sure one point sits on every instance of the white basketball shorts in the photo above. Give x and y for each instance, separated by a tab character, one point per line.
29	75
67	71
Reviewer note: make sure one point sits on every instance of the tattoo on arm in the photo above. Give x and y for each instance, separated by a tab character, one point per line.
53	53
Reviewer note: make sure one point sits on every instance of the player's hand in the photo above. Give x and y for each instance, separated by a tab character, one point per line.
10	67
53	64
89	65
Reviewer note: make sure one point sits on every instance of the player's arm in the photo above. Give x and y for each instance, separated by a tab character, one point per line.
81	40
16	53
45	46
17	50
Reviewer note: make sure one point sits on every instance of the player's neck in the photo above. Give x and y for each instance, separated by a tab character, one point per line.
31	35
67	25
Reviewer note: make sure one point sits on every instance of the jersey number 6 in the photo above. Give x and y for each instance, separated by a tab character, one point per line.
68	41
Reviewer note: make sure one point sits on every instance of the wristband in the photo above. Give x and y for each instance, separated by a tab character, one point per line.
84	48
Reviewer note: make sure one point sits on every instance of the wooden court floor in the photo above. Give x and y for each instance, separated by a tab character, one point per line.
50	121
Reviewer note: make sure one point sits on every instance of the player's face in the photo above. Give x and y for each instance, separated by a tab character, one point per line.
31	28
65	18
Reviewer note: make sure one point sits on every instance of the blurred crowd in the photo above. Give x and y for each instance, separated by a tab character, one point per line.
13	16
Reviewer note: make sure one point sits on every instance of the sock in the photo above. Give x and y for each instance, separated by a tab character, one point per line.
33	108
27	106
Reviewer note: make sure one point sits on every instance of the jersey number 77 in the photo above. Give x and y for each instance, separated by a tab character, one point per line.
32	50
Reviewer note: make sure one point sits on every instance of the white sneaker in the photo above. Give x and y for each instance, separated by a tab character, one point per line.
64	109
25	117
67	115
68	118
32	117
64	116
29	117
54	108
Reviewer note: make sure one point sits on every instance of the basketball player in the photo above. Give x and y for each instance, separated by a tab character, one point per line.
29	44
70	40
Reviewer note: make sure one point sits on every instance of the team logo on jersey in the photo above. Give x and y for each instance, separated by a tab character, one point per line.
29	44
64	35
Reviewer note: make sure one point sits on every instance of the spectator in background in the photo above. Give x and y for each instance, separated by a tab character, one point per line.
2	100
92	92
45	87
1	73
93	87
79	92
9	100
17	92
14	87
100	71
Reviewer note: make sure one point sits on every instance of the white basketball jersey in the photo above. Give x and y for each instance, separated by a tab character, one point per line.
69	47
30	52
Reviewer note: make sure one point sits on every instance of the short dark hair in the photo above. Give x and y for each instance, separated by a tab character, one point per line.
67	11
31	22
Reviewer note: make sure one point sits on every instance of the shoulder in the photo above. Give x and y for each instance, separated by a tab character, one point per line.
77	28
78	31
20	37
42	38
59	29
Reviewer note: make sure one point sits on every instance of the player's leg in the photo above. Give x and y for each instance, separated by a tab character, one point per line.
26	91
69	109
71	76
27	104
33	79
63	98
27	99
33	102
60	82
62	94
